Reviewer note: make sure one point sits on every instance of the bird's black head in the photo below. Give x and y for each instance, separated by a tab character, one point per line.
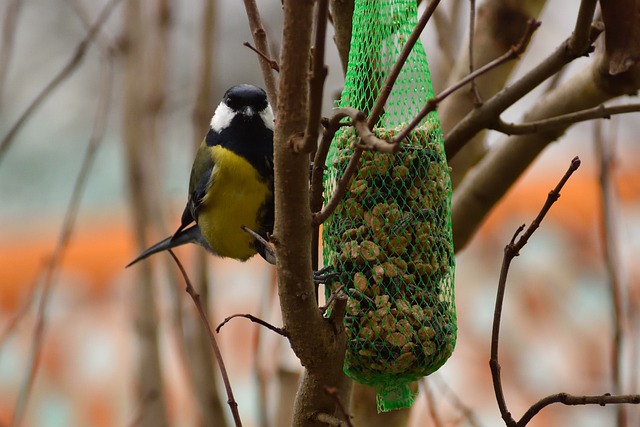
246	103
246	99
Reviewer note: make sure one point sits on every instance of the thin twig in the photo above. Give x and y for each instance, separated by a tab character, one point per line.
9	25
60	77
262	45
212	340
599	112
102	113
477	101
142	407
570	400
254	319
331	299
510	252
514	52
608	236
466	411
272	62
481	117
309	141
581	38
431	403
29	299
333	392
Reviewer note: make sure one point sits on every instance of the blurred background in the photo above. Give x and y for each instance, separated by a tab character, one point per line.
557	328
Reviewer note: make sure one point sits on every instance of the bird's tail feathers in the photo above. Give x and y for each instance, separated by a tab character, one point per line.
188	235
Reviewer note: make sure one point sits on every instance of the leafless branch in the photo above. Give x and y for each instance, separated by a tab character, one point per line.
212	340
477	101
366	138
570	400
599	112
510	252
104	101
272	62
308	142
11	13
481	117
262	45
254	319
513	53
431	403
60	77
455	400
608	235
29	300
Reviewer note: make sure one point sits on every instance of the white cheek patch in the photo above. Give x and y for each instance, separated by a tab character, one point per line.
267	117
222	117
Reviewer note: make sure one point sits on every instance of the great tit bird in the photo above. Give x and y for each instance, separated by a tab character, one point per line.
231	184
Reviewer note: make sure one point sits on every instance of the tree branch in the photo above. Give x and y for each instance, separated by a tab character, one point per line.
570	400
510	252
483	116
254	319
272	62
309	141
60	77
262	46
212	340
513	53
322	352
553	123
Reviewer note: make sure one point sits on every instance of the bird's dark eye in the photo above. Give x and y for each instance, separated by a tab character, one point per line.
232	103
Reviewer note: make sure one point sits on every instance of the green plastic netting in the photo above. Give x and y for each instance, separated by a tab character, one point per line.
390	239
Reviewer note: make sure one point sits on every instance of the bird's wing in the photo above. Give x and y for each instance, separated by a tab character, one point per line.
199	185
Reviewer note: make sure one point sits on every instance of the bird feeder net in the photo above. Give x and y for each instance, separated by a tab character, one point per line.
390	238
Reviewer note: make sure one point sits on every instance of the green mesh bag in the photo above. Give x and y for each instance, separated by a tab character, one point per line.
390	238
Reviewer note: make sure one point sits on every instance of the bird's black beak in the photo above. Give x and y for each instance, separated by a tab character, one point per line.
248	111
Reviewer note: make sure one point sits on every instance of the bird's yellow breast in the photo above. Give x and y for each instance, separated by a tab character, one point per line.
234	199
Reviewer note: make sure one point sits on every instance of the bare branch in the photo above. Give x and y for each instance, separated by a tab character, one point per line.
553	123
279	331
608	235
570	400
319	70
342	15
511	251
272	62
581	38
60	77
483	116
7	41
477	101
212	340
513	53
431	403
262	45
104	102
